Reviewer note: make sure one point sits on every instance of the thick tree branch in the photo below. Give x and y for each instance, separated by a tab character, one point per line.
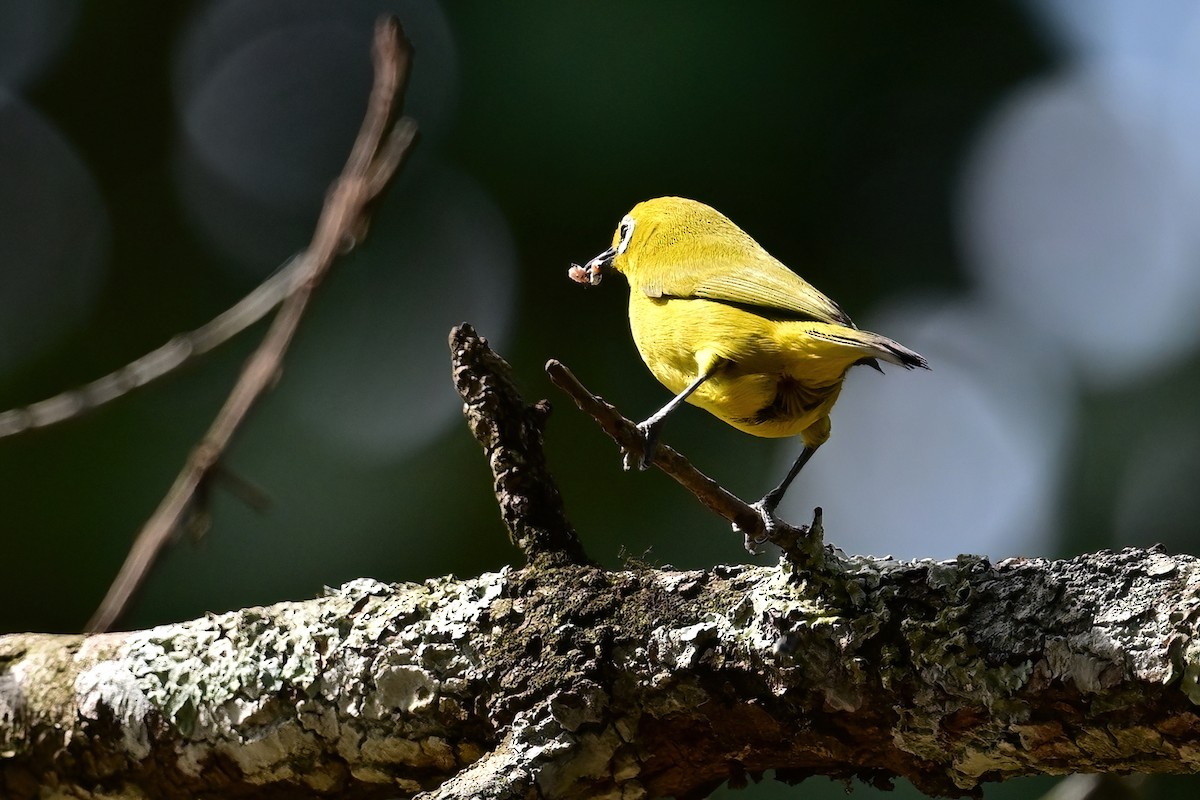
649	682
565	680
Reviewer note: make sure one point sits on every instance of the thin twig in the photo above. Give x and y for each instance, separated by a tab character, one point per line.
800	543
342	224
180	350
625	433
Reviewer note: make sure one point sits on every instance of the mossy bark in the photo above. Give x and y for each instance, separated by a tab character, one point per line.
573	681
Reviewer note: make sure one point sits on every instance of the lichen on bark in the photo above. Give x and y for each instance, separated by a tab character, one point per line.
634	683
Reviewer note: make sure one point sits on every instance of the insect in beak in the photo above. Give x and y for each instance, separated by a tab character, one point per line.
591	272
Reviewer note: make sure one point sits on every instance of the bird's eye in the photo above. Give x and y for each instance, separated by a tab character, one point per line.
626	232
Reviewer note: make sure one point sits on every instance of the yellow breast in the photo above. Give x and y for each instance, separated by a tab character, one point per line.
773	378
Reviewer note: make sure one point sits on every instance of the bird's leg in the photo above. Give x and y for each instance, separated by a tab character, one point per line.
653	424
770	501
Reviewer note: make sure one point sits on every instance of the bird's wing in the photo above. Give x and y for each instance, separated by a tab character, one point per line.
752	279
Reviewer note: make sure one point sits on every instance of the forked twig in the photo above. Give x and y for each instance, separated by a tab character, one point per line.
382	143
799	543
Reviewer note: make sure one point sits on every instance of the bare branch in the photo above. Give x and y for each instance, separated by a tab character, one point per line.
180	350
566	680
804	545
342	224
511	434
640	683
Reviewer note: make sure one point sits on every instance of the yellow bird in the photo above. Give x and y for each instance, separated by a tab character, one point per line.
730	329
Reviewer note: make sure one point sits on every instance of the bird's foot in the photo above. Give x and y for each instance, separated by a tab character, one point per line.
649	431
783	534
766	511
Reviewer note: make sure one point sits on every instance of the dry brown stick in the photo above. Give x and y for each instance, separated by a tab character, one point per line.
378	152
744	517
181	349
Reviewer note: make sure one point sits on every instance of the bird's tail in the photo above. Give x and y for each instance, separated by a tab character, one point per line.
872	346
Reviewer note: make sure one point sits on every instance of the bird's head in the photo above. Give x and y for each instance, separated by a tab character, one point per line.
651	227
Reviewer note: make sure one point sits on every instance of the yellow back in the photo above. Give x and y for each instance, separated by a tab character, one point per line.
684	248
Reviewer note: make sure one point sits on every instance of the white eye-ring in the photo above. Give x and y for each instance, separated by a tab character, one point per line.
626	233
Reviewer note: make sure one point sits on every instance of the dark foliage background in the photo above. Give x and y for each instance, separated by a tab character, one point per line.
990	182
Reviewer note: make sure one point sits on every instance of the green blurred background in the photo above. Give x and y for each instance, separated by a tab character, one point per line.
1009	188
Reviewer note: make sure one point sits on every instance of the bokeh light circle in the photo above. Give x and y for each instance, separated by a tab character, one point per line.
54	233
962	458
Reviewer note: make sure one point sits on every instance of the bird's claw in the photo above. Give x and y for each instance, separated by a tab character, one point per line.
753	540
649	432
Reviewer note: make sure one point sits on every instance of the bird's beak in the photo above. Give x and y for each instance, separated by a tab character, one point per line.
592	271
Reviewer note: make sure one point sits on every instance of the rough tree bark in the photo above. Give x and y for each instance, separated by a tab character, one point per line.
562	679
